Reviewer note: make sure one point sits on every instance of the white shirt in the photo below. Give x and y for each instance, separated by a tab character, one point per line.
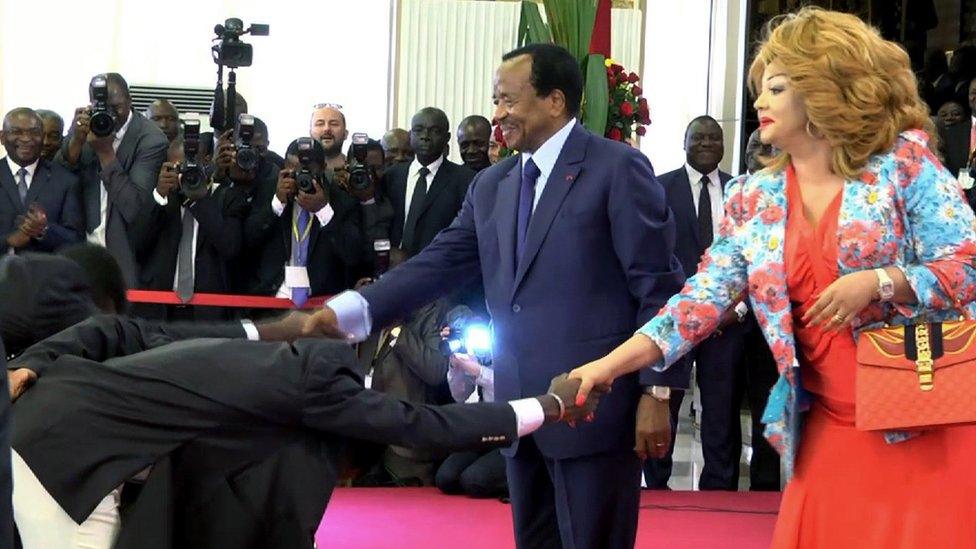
714	193
462	385
545	158
29	177
413	174
98	235
324	216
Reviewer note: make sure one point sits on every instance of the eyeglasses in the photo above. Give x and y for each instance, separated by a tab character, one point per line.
335	106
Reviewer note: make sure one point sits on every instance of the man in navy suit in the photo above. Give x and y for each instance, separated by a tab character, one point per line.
694	194
573	241
40	206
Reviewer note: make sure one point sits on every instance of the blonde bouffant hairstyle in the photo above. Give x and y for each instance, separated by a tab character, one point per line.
858	88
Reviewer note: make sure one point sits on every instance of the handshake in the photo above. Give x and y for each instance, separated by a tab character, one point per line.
560	403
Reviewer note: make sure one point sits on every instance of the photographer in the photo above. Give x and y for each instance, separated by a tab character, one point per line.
328	127
361	178
406	363
262	142
117	170
476	474
187	235
308	230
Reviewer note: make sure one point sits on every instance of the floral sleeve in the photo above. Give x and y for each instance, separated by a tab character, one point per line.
940	227
694	313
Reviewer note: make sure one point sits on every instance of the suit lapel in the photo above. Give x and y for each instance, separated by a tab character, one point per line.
507	210
41	176
685	200
9	185
560	181
436	187
128	144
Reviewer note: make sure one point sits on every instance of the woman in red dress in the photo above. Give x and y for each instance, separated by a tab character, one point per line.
855	223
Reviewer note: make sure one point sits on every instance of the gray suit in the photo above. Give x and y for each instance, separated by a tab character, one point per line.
129	182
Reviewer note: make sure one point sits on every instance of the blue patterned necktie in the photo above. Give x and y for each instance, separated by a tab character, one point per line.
300	252
22	185
530	174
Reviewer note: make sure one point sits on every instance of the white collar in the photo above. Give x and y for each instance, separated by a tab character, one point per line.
545	157
694	176
30	169
433	166
125	127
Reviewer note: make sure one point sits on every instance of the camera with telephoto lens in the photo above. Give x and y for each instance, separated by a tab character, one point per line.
192	176
304	177
360	176
468	336
247	156
101	118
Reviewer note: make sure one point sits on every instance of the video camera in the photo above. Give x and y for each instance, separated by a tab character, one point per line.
102	118
192	176
361	177
303	175
247	155
230	51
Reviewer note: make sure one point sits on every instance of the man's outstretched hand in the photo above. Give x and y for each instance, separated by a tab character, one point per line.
286	328
323	323
19	380
566	390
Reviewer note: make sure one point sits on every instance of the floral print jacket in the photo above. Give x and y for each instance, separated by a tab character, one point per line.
906	210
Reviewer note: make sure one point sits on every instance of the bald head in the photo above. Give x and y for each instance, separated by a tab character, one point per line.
328	127
166	117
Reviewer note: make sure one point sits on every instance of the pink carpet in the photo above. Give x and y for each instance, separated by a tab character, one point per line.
408	518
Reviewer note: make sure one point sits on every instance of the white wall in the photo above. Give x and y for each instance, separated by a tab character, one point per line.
675	75
319	51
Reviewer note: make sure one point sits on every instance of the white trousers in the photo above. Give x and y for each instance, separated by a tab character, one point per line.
43	524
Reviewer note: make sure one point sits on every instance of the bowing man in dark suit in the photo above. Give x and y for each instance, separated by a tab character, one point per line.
694	194
113	396
312	243
427	193
39	206
117	172
574	242
185	240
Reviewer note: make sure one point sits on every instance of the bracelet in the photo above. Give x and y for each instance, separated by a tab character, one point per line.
562	406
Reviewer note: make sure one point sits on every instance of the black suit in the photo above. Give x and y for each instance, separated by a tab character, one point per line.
6	484
443	200
718	359
116	395
129	182
220	218
56	190
336	252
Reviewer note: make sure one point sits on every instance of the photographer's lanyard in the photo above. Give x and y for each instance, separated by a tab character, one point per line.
301	227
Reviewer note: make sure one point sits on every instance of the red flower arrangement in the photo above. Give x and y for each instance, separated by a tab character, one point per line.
628	110
503	150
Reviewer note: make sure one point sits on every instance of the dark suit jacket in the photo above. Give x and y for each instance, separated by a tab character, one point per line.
115	395
221	230
954	145
441	204
337	252
598	262
688	249
6	482
56	189
129	181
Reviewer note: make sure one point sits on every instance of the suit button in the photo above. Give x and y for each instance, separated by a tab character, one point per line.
516	308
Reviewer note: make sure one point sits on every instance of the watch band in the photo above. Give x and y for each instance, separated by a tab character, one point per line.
886	286
658	392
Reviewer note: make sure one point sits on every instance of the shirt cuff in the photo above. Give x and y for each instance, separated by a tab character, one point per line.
324	215
352	313
251	330
162	201
276	206
528	415
486	378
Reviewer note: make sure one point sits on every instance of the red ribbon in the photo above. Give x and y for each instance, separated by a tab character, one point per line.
223	300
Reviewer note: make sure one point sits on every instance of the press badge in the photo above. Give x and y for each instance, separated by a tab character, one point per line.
296	277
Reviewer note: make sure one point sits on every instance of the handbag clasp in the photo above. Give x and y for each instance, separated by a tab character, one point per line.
923	362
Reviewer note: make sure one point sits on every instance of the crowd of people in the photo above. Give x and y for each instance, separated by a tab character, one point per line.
565	249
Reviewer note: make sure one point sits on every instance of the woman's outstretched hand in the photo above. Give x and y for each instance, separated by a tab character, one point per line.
592	375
